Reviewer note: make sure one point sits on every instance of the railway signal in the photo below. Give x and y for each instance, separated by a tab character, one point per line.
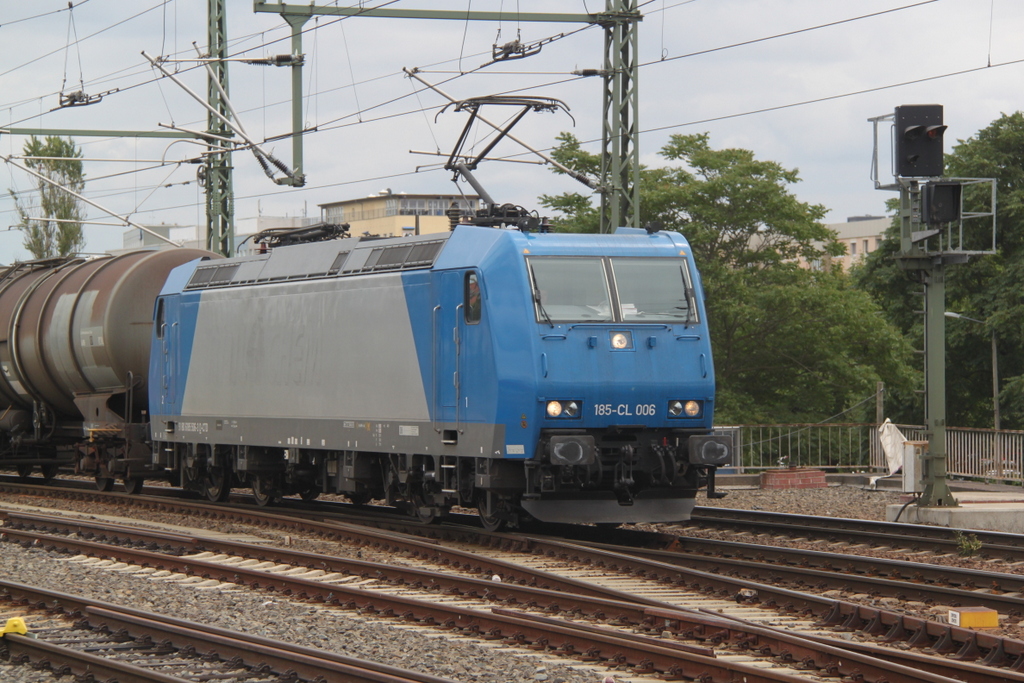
940	202
919	132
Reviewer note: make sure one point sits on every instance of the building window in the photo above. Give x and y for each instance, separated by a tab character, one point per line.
853	248
866	250
414	207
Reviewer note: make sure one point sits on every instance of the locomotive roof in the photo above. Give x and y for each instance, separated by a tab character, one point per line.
334	258
361	255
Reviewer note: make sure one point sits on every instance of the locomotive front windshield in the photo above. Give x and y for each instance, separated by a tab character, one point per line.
612	289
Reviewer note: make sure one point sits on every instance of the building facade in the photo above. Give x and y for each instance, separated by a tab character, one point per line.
389	214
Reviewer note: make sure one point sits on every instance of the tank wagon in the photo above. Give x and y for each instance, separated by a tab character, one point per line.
74	358
566	378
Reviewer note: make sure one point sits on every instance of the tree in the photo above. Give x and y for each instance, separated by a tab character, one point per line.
987	288
60	161
791	344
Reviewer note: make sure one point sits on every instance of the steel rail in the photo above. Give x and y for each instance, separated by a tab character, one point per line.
626	613
551	601
894	578
65	660
829	658
642	653
890	626
849	616
255	651
509	573
960	670
625	609
863	565
917	537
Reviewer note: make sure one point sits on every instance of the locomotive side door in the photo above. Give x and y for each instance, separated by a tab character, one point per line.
167	336
447	348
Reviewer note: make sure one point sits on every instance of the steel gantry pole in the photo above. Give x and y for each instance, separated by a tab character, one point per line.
220	219
620	152
619	184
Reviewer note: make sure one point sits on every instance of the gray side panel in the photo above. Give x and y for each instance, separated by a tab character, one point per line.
405	436
316	349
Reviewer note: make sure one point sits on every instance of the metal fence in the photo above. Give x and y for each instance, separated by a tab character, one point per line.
970	453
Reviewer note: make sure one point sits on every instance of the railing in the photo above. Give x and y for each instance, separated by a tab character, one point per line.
970	453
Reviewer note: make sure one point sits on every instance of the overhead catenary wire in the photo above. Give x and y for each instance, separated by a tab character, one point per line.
91	35
70	6
597	140
82	198
724	117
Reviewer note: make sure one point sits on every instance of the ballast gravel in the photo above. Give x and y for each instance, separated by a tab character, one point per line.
279	618
832	501
439	654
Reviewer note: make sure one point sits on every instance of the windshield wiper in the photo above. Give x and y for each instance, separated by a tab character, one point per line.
540	304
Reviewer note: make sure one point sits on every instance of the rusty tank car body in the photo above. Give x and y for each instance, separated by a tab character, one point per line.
74	355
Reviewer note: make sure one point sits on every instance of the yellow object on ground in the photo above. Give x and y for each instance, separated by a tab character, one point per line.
974	617
15	625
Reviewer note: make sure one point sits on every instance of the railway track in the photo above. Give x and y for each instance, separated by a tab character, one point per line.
66	634
529	630
914	538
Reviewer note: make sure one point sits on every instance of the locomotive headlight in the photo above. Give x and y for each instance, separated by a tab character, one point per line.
563	408
621	340
684	408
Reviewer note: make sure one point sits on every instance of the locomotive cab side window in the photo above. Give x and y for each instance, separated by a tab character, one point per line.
471	297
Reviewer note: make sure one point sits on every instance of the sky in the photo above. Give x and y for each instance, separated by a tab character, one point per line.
795	81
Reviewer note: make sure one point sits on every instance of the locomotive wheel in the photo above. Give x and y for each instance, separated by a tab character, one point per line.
491	517
132	485
425	514
417	507
309	494
49	472
263	491
24	471
215	486
104	483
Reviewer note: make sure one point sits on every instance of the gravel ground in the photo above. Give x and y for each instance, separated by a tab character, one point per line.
832	501
279	618
282	619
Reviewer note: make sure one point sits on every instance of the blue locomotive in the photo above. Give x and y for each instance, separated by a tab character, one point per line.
564	377
559	377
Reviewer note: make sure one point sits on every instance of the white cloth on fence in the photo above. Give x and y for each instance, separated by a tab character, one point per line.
892	445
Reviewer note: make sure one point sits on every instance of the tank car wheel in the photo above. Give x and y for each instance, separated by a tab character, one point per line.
359	499
215	486
49	472
104	483
263	491
24	471
132	485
